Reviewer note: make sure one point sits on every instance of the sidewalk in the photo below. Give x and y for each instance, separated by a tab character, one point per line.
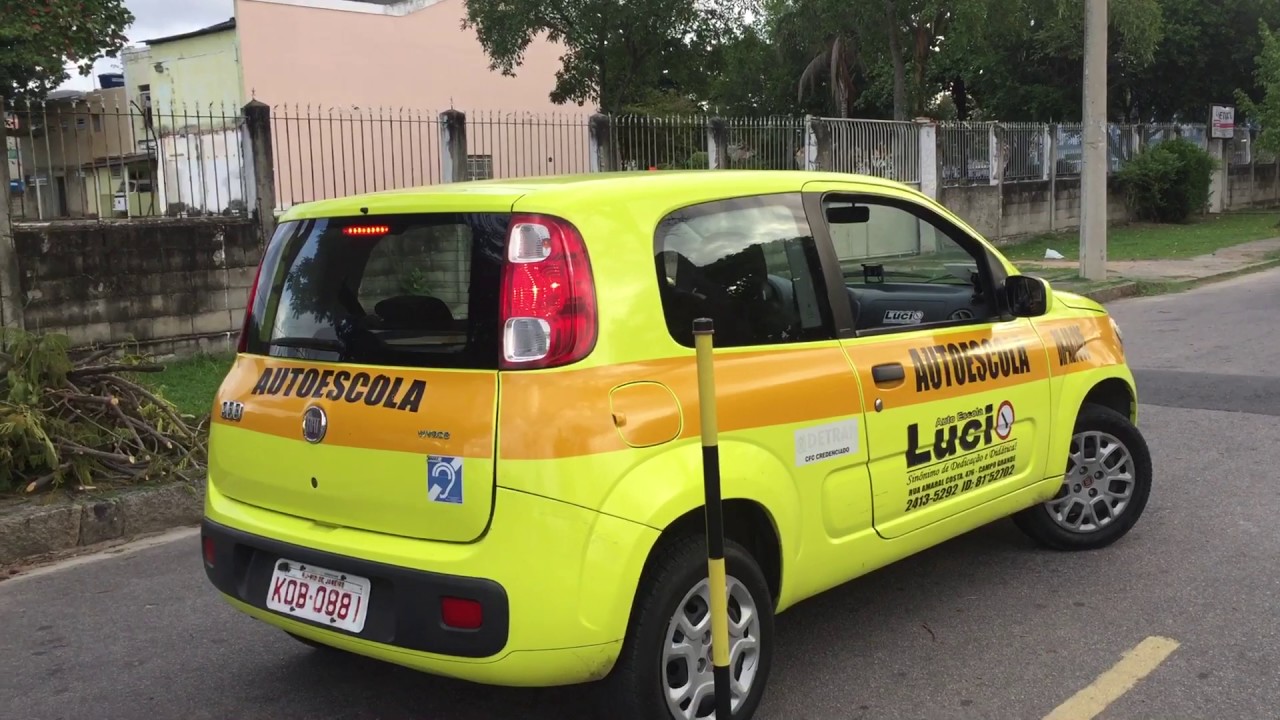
1146	277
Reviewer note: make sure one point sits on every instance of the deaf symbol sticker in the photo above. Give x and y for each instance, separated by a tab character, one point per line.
444	479
1004	420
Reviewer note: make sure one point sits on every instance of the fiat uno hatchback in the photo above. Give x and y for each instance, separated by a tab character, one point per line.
461	433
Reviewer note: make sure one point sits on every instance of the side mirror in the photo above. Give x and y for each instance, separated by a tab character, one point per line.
1027	296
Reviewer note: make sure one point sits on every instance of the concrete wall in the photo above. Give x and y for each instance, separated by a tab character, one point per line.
169	285
1024	208
1253	186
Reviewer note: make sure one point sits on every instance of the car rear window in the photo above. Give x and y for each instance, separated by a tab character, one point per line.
406	290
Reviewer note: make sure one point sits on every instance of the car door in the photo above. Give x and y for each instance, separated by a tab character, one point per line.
956	390
784	383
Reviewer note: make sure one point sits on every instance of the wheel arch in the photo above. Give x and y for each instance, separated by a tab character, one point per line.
1115	393
747	523
666	493
1110	386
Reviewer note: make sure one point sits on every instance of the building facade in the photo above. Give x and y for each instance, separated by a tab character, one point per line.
75	155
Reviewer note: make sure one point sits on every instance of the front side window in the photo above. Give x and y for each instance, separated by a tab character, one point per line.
749	264
408	290
902	269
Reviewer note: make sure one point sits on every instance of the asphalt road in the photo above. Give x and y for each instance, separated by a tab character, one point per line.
986	626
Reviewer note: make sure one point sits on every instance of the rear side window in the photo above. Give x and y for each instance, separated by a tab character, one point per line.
750	264
406	290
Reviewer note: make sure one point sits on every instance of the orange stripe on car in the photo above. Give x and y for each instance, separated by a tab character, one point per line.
396	409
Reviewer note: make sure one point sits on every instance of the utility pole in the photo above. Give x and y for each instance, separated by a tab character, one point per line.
10	277
1093	177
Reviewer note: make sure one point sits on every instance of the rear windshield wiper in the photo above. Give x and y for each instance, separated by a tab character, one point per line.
307	343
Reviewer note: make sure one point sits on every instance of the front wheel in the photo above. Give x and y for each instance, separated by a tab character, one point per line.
1104	490
665	667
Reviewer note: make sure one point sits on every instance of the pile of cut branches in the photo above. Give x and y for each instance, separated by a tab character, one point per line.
76	418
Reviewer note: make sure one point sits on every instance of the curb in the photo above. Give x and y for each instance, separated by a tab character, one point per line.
1114	292
32	531
1228	275
1158	287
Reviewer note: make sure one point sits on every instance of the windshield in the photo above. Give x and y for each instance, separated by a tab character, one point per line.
407	290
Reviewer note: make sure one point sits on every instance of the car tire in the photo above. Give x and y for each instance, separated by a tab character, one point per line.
676	582
1095	486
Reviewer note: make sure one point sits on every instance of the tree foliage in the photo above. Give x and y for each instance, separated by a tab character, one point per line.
1024	59
1207	51
1266	112
614	52
67	415
39	38
1014	60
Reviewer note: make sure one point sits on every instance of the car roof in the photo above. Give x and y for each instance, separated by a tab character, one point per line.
551	190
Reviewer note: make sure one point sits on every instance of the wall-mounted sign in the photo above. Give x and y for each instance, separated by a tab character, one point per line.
1222	122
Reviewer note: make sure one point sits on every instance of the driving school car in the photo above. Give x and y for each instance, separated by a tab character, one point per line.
461	433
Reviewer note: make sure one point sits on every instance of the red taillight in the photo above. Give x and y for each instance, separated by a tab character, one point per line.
461	614
548	295
243	343
365	230
210	551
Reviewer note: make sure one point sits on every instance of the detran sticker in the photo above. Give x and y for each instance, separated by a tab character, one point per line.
822	442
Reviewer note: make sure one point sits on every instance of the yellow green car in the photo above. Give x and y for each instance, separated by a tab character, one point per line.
461	433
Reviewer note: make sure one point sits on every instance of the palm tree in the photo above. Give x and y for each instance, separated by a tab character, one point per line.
837	59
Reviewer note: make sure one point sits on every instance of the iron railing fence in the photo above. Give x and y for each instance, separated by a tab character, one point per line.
72	158
79	158
882	148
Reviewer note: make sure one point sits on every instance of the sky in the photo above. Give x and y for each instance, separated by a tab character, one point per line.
158	18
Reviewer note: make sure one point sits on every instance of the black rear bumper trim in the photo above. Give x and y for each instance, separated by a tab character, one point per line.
404	609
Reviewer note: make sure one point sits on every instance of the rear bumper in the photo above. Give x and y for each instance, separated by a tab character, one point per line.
556	582
404	606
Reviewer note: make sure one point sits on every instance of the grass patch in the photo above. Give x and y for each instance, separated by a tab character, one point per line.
191	383
1147	241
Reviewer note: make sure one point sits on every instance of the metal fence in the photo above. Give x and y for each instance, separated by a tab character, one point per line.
98	159
881	148
75	159
328	152
771	143
322	153
507	145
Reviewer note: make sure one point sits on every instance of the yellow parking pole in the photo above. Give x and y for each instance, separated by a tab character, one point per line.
703	331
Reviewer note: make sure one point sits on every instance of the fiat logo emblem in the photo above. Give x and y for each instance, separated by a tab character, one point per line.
315	423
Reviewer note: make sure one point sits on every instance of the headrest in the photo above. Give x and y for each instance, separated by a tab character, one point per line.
415	311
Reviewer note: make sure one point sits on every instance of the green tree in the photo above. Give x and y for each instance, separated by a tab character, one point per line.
40	38
869	44
615	54
1206	53
1266	112
1023	59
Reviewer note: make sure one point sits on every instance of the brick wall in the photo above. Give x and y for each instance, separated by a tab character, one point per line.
169	285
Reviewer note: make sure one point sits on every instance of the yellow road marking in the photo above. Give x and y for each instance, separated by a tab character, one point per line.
1110	685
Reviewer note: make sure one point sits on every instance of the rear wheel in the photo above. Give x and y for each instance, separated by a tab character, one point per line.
1104	490
665	667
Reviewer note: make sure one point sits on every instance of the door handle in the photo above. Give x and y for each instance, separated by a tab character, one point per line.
888	373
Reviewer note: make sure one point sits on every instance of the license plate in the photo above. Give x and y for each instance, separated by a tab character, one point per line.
324	596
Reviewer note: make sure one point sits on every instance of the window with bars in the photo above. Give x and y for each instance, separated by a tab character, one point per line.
479	167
